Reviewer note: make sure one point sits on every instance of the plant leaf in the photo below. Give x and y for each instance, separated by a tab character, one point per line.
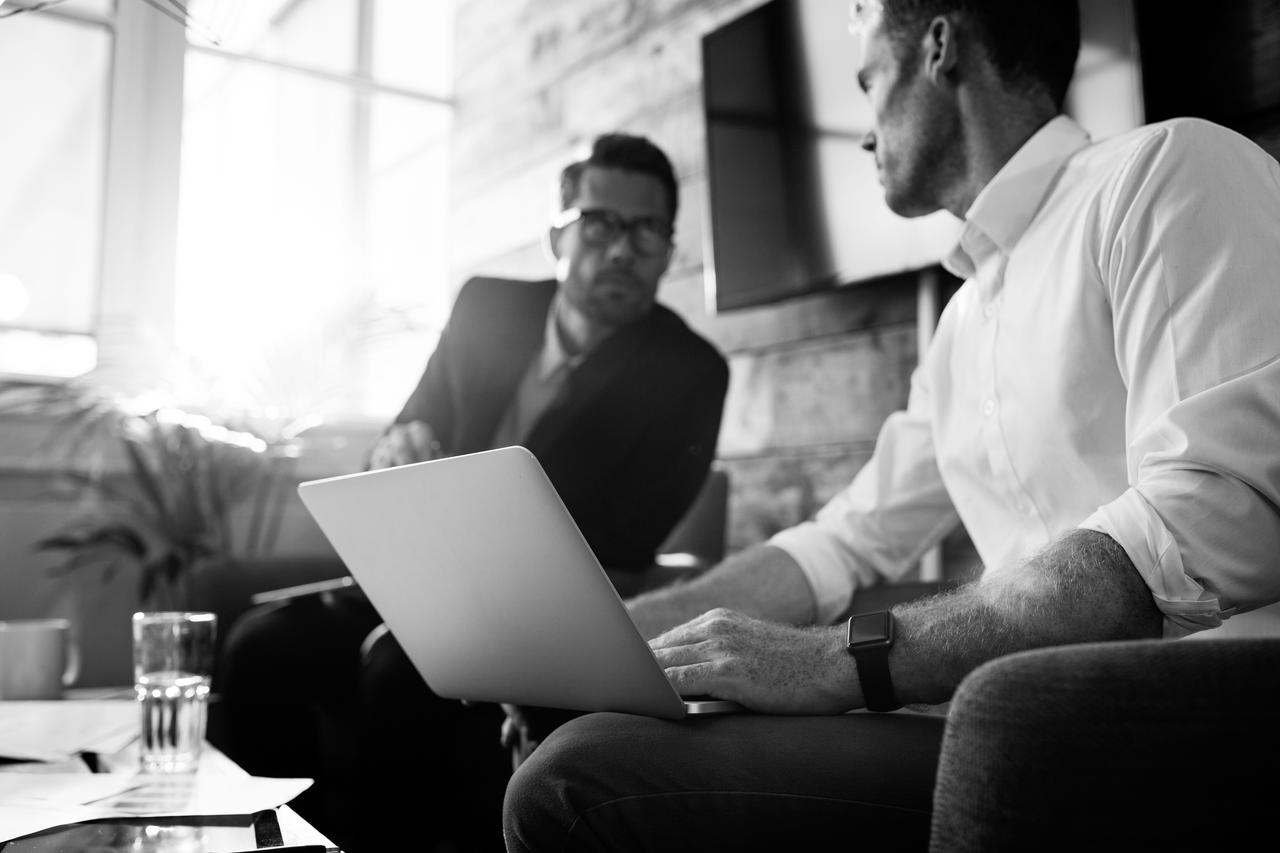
151	489
118	536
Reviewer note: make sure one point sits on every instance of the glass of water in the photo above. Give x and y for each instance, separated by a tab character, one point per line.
172	668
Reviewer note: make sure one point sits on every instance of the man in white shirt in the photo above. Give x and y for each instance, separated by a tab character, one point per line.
1100	408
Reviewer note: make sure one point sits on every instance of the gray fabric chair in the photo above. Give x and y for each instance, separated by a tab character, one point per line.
1141	745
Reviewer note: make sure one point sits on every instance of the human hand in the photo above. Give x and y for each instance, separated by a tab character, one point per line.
517	734
764	666
403	444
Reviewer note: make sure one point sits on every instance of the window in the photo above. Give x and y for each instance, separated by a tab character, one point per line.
55	70
276	186
312	265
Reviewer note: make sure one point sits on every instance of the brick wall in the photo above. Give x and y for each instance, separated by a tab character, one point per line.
811	378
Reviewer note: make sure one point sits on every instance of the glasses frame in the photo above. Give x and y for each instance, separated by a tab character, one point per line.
619	224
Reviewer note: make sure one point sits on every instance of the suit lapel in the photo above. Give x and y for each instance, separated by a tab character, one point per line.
599	372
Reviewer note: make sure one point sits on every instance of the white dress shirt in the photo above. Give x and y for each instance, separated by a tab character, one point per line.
1112	362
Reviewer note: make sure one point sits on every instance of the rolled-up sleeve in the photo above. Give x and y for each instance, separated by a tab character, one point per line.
1196	312
878	527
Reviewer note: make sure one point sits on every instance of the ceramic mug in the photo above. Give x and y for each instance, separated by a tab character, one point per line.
38	658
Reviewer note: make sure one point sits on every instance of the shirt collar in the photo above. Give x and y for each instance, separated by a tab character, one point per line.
554	355
1008	203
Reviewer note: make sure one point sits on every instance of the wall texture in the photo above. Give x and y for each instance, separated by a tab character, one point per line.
812	378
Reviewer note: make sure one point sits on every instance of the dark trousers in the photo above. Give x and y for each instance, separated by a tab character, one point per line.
618	782
298	698
450	753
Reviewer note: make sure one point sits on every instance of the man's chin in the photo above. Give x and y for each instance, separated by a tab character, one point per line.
618	310
908	208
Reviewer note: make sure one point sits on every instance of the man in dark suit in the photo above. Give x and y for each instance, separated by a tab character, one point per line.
627	439
621	403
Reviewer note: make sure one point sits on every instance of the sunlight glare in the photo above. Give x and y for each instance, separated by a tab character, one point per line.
14	298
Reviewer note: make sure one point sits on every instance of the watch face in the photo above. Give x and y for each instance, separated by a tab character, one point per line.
870	629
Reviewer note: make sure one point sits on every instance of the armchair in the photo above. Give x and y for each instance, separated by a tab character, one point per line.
1138	745
695	544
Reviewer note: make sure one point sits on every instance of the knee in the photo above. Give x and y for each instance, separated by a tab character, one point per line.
251	642
386	673
256	625
535	812
270	645
392	697
383	659
560	780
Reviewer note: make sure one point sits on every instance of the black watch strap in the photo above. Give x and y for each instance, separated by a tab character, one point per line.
870	637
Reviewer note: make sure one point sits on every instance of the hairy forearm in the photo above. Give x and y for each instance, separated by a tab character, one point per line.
762	581
1081	588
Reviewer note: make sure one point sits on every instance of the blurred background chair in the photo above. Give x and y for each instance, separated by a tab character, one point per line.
695	544
1138	745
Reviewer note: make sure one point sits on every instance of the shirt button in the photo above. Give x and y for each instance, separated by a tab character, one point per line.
988	310
989	408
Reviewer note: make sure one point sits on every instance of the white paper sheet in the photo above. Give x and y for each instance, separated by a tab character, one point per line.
58	730
58	790
32	802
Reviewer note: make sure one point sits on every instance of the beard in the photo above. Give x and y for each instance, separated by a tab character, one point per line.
612	297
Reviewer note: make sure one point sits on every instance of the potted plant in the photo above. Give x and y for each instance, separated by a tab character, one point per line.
157	487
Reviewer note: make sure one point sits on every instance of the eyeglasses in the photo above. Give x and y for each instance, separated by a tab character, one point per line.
649	235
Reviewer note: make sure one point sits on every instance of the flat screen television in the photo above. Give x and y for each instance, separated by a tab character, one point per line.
795	204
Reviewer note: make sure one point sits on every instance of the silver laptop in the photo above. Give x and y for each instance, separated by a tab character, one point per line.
483	577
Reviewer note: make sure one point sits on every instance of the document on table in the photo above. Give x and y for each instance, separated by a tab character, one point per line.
30	802
59	790
58	730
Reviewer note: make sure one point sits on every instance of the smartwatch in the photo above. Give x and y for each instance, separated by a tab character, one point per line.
869	640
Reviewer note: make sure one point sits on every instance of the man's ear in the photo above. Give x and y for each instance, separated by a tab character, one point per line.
940	53
551	245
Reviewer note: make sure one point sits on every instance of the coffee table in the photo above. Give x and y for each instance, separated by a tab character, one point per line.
294	831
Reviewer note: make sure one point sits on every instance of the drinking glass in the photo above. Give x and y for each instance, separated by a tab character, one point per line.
172	668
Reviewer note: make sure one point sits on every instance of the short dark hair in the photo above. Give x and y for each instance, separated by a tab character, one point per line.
1032	43
627	152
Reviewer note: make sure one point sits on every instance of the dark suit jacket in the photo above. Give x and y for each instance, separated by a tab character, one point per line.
631	442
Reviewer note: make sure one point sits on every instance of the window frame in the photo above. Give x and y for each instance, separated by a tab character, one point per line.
136	289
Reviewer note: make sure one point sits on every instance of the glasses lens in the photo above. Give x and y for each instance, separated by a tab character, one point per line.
649	236
601	227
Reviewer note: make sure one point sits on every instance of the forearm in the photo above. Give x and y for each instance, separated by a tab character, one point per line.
1081	588
762	581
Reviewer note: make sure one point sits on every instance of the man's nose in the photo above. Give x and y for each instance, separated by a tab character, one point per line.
620	249
869	141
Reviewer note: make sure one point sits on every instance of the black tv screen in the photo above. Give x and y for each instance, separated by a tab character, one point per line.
795	204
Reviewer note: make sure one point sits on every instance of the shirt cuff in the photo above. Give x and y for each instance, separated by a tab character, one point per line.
824	560
1132	522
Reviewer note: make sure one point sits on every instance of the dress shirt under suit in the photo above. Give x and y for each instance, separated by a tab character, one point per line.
627	445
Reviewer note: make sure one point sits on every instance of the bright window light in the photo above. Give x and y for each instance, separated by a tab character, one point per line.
14	298
312	260
51	184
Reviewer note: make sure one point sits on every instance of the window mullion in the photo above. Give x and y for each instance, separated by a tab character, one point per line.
361	152
136	305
